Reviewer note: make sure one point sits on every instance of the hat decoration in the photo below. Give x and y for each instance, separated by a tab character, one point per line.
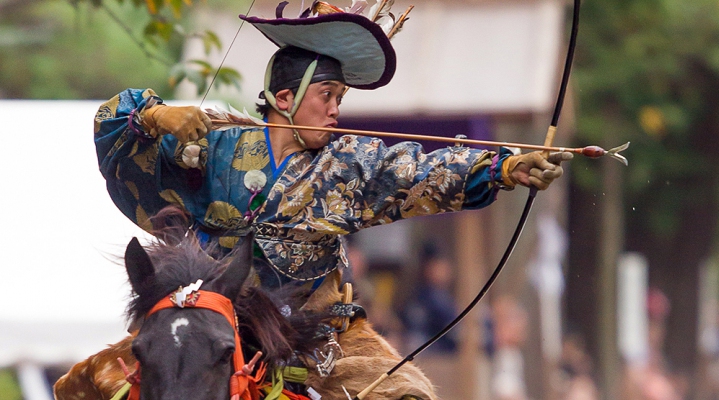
380	13
360	43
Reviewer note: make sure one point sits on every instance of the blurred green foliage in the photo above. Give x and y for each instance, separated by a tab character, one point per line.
9	388
647	71
77	49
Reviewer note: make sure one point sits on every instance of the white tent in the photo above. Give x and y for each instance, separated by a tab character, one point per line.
453	57
63	294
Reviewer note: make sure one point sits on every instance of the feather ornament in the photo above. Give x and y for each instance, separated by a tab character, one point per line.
380	9
386	23
323	8
381	14
232	118
400	22
357	7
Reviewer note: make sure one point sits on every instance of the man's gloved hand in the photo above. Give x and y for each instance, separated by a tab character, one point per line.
185	123
532	169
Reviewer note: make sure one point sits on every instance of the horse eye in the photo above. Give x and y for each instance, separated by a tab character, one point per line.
227	355
222	350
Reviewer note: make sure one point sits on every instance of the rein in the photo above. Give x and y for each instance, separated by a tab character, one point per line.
242	384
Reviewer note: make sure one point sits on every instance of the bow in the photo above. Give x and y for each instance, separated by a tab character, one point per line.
520	225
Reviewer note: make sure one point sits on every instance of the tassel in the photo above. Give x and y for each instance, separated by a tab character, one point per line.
191	155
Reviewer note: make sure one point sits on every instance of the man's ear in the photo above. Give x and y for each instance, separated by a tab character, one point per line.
285	99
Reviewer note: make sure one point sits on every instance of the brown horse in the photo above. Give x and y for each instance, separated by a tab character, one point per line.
176	345
366	356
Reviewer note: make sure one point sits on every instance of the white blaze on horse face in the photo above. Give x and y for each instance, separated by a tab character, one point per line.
173	329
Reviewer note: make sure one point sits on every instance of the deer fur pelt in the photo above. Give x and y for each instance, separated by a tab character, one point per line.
99	376
367	355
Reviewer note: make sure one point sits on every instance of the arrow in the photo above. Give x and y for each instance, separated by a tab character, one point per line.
589	151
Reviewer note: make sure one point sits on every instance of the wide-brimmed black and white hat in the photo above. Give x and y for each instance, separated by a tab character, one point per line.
362	48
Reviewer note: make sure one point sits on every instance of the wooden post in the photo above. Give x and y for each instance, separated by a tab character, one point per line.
611	244
708	327
472	370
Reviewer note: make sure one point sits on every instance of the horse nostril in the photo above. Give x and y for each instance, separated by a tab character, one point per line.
137	352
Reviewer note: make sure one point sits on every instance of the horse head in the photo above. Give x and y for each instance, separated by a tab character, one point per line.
185	352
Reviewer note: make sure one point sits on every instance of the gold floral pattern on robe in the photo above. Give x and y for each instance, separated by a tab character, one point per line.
351	184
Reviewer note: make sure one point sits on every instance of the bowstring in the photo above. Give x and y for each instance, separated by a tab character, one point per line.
209	87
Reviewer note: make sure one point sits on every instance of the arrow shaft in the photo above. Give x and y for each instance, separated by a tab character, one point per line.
408	136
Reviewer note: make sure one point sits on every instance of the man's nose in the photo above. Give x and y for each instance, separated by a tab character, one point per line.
334	110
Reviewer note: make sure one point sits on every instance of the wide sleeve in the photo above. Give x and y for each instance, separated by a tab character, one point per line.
145	174
127	157
357	182
484	182
403	181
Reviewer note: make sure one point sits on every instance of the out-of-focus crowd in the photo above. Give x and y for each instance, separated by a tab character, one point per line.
408	320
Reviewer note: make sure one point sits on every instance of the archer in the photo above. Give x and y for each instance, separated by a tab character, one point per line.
298	190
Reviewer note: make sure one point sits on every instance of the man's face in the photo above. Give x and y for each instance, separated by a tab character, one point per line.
319	107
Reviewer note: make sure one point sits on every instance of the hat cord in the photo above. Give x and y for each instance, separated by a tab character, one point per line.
304	84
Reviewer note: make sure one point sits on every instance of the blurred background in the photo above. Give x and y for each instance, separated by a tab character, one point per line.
613	290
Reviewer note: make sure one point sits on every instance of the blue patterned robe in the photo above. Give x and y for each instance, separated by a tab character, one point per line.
309	201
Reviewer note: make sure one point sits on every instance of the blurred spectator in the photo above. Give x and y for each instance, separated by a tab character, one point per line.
652	379
432	305
576	381
357	273
374	293
510	333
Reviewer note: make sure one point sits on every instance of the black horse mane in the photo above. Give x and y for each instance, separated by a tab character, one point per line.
179	260
264	327
175	266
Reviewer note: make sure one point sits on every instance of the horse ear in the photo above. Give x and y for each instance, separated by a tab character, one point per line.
138	265
231	281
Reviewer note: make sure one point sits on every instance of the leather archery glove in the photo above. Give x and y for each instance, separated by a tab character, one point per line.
187	123
532	169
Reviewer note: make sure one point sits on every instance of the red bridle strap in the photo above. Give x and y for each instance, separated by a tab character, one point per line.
242	386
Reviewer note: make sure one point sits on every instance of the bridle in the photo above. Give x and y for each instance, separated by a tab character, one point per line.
242	383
